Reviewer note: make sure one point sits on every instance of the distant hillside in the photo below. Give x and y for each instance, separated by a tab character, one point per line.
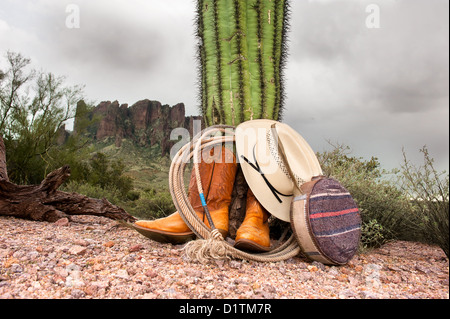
147	123
139	135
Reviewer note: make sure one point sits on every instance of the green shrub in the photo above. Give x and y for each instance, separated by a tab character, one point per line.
372	235
428	191
151	204
100	172
107	173
110	193
381	203
143	204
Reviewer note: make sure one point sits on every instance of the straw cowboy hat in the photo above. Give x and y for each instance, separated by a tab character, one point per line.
263	167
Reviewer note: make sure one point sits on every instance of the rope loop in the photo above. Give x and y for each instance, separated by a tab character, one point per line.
211	244
216	234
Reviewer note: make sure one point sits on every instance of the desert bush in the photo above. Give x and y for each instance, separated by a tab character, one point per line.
150	204
381	203
371	235
428	191
34	105
143	204
109	173
104	175
110	193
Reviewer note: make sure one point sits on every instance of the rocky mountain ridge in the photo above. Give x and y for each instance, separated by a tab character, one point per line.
146	123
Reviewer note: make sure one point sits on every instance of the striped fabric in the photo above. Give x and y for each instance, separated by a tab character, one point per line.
335	220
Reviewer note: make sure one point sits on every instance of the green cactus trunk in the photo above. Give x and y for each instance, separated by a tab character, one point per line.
241	53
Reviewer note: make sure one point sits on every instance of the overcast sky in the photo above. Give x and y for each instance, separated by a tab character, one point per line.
376	83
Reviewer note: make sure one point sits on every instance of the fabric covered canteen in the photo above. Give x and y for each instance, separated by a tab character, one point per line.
326	221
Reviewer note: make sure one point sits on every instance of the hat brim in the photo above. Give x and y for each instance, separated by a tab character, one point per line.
310	166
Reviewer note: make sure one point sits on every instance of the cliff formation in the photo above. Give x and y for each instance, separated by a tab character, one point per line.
146	123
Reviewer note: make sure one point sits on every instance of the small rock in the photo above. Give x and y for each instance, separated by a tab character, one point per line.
77	293
49	237
16	268
312	268
193	273
151	274
98	267
422	269
319	265
359	268
91	290
282	270
63	222
122	273
269	288
36	285
347	294
33	255
80	242
342	278
334	271
18	254
10	261
135	248
235	264
306	276
74	281
100	284
109	244
62	272
77	250
370	295
372	267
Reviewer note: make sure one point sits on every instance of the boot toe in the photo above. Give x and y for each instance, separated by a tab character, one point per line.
252	239
171	229
161	236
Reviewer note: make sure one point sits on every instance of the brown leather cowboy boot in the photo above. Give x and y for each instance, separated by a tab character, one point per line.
253	234
217	175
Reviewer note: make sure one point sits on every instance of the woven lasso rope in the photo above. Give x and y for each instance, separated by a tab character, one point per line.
211	244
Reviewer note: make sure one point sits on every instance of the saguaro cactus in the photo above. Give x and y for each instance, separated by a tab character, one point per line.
241	52
242	46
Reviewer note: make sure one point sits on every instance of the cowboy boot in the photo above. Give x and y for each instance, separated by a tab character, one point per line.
253	234
218	198
217	181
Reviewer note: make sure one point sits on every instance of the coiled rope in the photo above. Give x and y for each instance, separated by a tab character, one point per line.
211	244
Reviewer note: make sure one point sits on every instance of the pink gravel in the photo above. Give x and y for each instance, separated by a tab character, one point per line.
94	258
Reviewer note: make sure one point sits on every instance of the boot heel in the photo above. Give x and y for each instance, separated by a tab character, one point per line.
249	245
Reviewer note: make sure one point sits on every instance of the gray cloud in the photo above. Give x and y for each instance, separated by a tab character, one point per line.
376	90
401	64
123	50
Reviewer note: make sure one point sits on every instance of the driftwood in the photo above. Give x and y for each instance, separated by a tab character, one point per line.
44	202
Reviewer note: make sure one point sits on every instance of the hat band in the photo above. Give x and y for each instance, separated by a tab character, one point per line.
257	168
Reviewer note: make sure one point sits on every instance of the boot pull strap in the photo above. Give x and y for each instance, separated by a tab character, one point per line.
217	128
